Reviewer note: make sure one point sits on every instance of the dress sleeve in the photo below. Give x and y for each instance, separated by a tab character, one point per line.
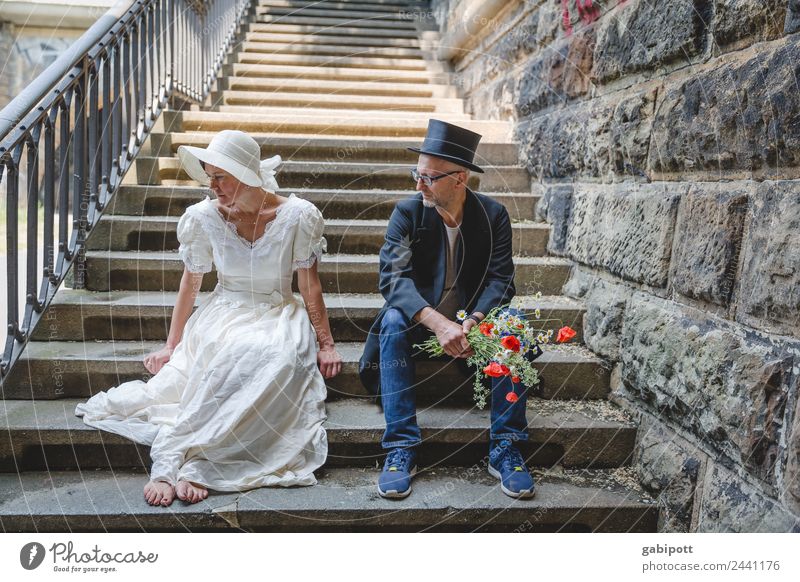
195	246
309	244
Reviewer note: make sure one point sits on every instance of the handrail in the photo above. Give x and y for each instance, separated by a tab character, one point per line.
72	134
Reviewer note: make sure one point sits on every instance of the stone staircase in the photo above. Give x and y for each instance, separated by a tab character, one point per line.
339	89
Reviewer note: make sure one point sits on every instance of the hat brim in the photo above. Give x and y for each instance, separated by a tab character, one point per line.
453	159
191	158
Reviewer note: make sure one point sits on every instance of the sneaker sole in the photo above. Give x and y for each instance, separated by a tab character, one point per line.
392	494
525	494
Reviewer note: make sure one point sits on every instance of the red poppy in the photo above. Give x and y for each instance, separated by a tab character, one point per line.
565	334
504	369
510	343
494	370
515	379
486	328
511	397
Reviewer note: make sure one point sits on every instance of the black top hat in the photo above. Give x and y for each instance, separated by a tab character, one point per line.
450	142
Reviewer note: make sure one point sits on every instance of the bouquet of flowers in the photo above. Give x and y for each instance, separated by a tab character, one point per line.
500	342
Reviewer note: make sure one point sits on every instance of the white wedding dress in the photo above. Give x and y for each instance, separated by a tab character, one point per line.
241	402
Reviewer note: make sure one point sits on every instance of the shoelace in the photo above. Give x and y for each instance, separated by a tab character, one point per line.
510	457
399	458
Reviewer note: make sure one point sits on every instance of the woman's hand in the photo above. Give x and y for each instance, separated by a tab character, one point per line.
154	361
329	361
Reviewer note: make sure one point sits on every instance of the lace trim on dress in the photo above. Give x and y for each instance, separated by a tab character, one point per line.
191	266
317	250
275	229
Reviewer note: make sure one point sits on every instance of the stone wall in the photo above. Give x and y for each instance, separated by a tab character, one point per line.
664	139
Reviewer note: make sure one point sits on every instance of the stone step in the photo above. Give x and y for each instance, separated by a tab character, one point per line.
326	17
135	200
367	115
156	271
333	39
79	315
211	121
372	75
365	103
299	23
335	5
345	149
38	435
350	236
51	370
341	61
288	86
297	48
344	499
360	176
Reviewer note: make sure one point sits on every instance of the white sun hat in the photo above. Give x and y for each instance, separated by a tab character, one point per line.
235	152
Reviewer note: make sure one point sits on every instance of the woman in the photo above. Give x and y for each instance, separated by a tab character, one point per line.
238	396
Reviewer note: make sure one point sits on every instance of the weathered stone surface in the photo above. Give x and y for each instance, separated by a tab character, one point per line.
792	23
709	236
741	116
790	480
644	35
625	229
731	505
557	75
769	296
726	386
605	308
601	138
555	207
495	100
753	20
669	467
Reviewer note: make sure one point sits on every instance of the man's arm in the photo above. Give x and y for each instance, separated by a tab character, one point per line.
396	282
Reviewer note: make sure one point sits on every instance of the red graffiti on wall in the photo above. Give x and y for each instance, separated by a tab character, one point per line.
588	12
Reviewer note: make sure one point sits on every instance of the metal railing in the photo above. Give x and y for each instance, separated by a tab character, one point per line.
69	138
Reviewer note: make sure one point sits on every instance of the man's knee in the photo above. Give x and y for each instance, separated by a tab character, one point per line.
394	321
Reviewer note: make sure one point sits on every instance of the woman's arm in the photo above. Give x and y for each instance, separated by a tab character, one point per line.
187	293
330	362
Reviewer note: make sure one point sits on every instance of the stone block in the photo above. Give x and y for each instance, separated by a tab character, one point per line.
730	505
719	381
625	229
792	23
769	292
605	304
669	467
644	35
602	138
739	116
748	20
557	75
555	208
790	480
708	240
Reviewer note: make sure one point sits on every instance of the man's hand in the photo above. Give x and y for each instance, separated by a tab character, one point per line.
453	340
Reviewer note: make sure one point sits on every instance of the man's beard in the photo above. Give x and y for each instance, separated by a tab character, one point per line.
428	203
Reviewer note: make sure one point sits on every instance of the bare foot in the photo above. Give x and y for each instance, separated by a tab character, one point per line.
191	492
159	493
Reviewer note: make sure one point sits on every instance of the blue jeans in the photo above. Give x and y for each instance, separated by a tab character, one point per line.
398	393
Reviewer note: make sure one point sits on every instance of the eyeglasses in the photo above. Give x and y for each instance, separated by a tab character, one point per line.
429	180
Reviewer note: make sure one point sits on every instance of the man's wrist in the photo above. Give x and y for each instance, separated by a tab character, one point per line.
475	318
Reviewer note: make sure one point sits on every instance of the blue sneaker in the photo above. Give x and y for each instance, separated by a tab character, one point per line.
395	479
507	464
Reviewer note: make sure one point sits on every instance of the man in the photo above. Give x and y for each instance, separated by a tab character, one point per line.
447	248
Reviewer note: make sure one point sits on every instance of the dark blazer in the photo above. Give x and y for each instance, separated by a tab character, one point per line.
413	260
